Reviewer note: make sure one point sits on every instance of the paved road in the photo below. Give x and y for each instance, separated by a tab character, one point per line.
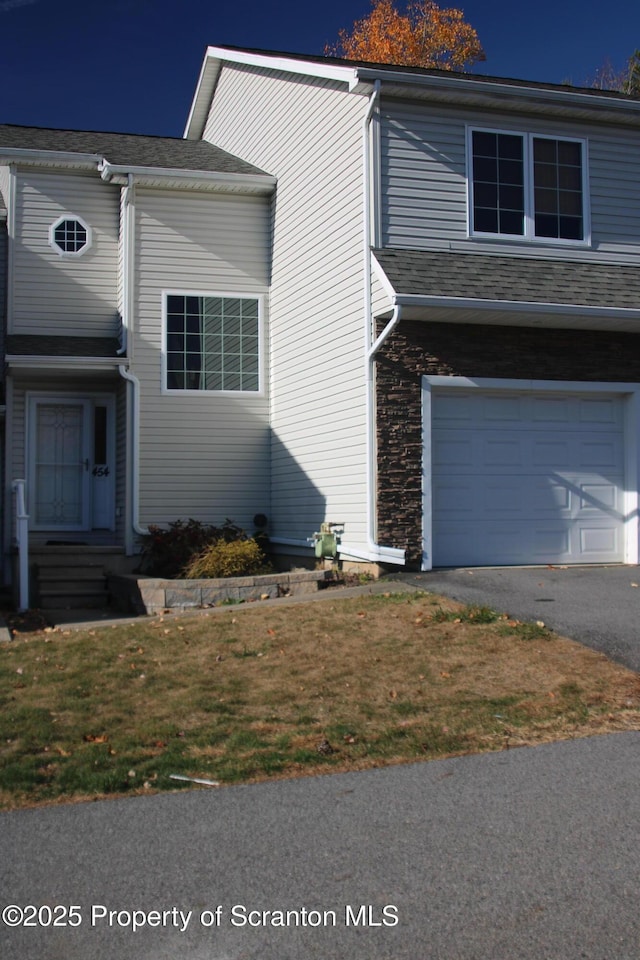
599	606
528	854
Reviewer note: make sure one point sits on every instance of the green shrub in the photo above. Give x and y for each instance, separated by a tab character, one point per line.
166	552
238	558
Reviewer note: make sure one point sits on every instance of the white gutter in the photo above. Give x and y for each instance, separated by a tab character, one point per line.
59	157
50	363
498	87
513	306
374	551
250	182
133	475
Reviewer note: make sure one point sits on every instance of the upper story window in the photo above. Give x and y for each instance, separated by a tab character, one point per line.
529	186
212	343
70	235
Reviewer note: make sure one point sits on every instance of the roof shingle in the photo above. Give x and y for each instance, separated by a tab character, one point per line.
527	280
128	149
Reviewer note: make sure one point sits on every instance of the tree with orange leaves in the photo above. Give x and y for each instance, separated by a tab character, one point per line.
423	36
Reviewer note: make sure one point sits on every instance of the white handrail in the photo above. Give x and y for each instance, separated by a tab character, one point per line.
22	537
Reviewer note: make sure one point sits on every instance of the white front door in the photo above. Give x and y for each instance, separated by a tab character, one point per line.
71	470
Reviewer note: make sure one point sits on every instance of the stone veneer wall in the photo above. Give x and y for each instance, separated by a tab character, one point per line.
468	350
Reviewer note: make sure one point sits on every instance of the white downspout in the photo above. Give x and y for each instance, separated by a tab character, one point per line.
133	431
374	550
132	497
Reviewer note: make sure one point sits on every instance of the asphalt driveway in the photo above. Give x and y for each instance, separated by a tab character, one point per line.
598	606
524	854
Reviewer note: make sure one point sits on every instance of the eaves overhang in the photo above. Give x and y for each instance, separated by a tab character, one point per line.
215	181
52	158
439	309
75	364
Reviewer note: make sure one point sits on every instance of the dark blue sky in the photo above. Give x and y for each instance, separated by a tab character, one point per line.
132	65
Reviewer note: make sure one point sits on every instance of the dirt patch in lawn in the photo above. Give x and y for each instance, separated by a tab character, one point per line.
252	694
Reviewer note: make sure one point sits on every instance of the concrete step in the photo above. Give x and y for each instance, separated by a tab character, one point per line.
62	573
74	601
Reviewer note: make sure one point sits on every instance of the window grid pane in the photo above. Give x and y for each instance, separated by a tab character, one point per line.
499	203
498	183
212	343
557	179
70	236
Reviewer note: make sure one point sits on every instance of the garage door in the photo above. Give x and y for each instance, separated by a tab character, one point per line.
522	478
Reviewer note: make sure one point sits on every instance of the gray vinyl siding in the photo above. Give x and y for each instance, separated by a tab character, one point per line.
424	190
202	456
56	294
3	294
307	133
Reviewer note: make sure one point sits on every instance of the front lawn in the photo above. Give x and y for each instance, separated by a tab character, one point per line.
250	693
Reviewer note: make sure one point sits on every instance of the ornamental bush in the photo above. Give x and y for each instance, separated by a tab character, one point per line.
167	552
238	558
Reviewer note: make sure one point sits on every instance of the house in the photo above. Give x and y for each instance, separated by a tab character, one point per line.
405	302
119	409
455	305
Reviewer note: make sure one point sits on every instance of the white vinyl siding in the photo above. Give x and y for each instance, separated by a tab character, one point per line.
56	294
5	178
424	182
308	134
201	455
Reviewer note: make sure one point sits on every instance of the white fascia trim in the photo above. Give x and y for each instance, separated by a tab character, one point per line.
497	87
557	386
58	157
384	279
631	394
46	363
112	171
514	306
378	555
309	68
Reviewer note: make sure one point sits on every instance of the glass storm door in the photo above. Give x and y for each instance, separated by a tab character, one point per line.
60	475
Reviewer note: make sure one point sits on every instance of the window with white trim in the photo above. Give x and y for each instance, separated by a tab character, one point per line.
527	185
70	235
212	343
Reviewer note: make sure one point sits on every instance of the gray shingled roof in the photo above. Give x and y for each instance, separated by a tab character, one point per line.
28	345
396	68
128	149
528	280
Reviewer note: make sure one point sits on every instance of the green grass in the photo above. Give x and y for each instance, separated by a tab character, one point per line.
250	694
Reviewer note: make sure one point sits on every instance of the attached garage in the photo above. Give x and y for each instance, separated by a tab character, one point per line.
524	476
